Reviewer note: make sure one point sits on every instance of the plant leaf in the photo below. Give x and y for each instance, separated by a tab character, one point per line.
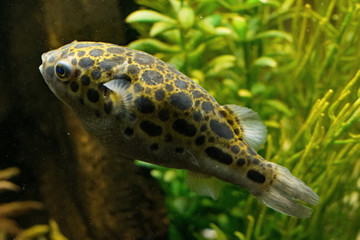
186	17
153	46
161	27
265	62
148	16
274	34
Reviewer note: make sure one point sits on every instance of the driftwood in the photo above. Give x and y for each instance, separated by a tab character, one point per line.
89	193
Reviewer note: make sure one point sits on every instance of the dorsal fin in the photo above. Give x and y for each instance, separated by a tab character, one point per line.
254	129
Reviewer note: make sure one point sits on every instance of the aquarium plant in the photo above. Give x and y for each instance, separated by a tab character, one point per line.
297	64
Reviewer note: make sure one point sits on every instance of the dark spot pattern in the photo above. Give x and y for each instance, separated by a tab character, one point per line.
108	64
218	155
92	95
207	106
84	45
181	100
222	113
69	54
179	150
168	138
129	131
255	161
144	59
183	127
196	94
200	140
151	128
235	149
181	84
159	94
77	73
108	107
154	147
81	53
169	87
160	68
85	80
86	62
124	77
221	129
197	116
74	86
138	88
256	176
240	162
164	115
74	62
169	76
96	52
101	86
250	151
134	70
237	131
96	74
116	50
203	128
144	105
152	77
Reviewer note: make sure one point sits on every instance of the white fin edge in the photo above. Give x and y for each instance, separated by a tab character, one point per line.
254	129
120	86
286	191
204	185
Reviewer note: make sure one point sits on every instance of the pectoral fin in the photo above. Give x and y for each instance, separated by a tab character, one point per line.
122	98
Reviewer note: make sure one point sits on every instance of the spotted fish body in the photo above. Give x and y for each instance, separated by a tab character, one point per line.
141	108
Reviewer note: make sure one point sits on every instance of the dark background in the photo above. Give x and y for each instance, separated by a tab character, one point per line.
86	191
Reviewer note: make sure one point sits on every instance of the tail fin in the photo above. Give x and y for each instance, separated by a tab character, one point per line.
286	194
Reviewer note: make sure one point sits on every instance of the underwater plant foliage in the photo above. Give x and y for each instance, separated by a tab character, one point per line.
296	64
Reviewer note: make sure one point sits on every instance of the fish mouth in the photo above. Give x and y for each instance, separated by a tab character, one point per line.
41	69
43	58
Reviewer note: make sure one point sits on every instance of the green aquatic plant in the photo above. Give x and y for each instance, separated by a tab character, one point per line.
297	65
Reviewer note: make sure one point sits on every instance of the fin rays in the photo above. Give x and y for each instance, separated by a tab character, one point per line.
254	130
286	191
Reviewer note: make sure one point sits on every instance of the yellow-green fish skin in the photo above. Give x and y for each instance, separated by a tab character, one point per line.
139	107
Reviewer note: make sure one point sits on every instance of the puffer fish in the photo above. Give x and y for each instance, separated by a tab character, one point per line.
139	107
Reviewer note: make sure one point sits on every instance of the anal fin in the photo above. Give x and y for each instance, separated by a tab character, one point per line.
204	185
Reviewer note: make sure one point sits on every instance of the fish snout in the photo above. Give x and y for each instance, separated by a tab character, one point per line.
43	60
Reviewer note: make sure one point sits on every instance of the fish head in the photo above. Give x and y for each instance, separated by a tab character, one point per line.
76	73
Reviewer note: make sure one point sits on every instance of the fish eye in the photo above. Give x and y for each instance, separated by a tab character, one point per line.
63	70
